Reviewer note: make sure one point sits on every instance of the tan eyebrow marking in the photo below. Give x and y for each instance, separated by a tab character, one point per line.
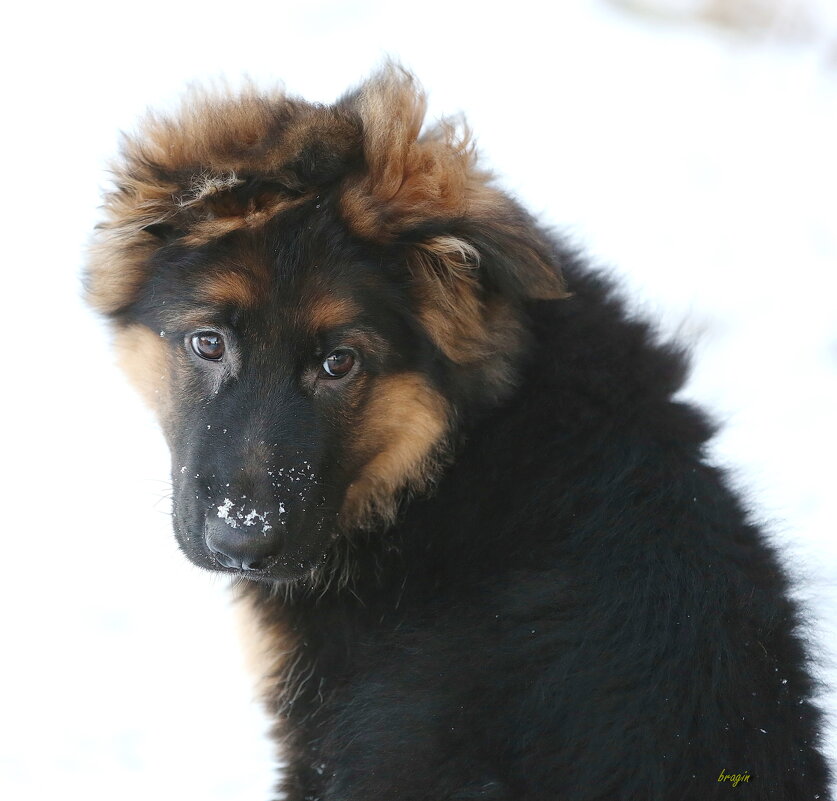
331	312
231	287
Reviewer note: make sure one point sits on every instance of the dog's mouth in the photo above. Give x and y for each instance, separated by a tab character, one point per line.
275	569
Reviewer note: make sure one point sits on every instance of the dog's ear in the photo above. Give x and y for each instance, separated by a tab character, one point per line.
467	288
506	257
417	180
517	259
449	298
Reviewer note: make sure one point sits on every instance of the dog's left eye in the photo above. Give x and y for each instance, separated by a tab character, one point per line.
338	363
208	345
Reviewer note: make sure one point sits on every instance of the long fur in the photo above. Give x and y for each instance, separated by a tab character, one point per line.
532	585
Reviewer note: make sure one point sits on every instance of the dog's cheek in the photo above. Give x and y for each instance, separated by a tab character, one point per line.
143	356
402	431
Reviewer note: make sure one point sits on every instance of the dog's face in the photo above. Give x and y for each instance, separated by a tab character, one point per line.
295	386
312	300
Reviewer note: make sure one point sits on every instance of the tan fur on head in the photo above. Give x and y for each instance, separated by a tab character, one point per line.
241	289
190	171
415	176
228	161
329	312
410	178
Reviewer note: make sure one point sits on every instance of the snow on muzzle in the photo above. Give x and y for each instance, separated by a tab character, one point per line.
245	533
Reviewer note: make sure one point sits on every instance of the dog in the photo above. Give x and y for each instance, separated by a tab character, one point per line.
475	534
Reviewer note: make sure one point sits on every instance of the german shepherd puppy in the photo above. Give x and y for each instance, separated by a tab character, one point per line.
477	536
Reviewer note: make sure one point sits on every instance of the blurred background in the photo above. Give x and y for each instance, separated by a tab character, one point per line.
687	144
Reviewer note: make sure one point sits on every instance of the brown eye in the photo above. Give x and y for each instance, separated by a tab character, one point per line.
208	345
338	363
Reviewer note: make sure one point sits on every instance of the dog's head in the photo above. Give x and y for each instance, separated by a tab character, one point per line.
311	298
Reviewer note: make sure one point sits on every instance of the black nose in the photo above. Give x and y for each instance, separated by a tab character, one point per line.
242	547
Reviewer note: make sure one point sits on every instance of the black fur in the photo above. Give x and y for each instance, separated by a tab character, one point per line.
581	611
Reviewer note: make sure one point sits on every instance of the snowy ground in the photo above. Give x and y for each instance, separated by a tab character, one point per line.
701	166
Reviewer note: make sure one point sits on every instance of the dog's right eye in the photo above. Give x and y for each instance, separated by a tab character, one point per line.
208	345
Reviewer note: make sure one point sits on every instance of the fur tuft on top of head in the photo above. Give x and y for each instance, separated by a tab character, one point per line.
226	161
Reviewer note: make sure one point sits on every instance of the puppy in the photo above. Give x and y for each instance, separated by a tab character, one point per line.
443	466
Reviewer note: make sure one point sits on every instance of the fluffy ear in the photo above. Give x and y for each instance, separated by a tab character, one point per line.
409	178
450	299
518	260
418	180
467	289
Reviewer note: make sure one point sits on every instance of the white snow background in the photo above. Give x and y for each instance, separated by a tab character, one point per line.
700	164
